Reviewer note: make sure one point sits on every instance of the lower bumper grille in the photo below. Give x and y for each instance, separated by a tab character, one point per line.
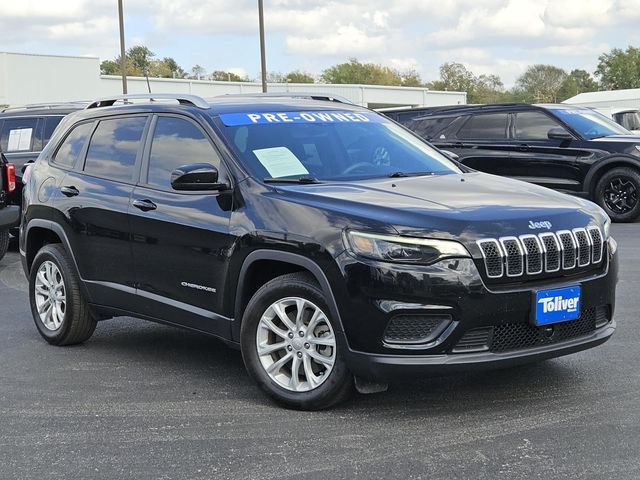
414	329
520	336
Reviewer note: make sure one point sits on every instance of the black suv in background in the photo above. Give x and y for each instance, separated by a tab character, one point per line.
567	148
325	241
24	132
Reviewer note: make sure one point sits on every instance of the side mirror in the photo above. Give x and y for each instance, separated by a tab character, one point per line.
197	176
453	156
558	133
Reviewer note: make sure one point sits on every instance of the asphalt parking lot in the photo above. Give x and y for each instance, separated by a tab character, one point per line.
141	400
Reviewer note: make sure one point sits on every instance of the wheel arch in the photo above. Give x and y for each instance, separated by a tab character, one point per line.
599	169
42	232
280	263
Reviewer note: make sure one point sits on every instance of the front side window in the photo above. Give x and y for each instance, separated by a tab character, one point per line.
534	126
589	124
329	145
18	134
114	147
177	142
489	126
72	146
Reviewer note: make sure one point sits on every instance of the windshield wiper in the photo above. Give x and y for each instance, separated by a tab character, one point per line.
300	180
412	174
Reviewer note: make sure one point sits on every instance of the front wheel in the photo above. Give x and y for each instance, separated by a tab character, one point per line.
289	344
618	193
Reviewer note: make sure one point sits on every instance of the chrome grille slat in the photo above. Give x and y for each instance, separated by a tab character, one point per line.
546	252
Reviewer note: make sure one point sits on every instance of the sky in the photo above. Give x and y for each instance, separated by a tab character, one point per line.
488	36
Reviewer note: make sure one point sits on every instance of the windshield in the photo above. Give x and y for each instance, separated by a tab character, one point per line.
590	124
329	145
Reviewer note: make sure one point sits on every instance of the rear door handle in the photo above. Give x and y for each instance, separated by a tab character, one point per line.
70	191
144	205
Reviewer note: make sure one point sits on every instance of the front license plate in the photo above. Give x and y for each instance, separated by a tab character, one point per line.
559	305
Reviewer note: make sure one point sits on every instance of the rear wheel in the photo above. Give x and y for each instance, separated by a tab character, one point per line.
59	309
289	344
618	193
4	242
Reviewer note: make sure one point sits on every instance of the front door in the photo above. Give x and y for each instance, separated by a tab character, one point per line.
180	239
538	159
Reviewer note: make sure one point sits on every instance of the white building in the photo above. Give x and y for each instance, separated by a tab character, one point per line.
629	98
27	79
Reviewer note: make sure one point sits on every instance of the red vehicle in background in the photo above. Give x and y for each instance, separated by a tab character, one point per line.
9	214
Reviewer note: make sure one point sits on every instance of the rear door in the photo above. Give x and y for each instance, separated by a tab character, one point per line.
94	200
538	159
482	142
181	239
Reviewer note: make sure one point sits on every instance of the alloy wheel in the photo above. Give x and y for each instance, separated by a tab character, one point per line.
296	344
50	295
620	195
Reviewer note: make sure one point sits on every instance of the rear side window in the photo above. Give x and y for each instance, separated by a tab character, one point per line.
534	126
72	146
114	147
490	126
429	128
177	142
18	134
50	124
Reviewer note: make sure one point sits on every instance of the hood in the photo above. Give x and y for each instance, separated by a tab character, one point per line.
469	205
635	138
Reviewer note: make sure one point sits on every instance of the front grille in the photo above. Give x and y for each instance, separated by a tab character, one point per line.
520	336
415	328
517	336
546	252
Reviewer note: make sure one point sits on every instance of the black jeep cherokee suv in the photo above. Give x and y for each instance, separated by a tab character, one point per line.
325	241
564	147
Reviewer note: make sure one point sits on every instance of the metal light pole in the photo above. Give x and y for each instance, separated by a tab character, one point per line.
263	57
123	60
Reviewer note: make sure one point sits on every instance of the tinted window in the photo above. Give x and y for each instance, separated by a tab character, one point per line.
114	147
18	134
534	126
177	142
491	126
72	146
50	124
429	128
588	123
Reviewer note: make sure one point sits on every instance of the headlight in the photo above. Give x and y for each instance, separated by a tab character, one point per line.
393	248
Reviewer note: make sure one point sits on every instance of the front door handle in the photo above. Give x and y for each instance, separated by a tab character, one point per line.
70	191
144	205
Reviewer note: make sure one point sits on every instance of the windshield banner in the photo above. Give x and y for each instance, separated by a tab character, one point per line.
326	116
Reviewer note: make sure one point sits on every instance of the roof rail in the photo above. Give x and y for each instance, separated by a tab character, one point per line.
193	100
312	96
49	106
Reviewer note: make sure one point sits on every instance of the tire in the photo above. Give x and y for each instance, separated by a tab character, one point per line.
73	322
618	193
320	383
4	242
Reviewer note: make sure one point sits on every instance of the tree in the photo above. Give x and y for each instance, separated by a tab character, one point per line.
222	76
140	57
198	72
298	77
110	67
354	71
619	69
541	83
578	81
480	89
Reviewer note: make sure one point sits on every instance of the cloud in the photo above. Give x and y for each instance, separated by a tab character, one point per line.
346	40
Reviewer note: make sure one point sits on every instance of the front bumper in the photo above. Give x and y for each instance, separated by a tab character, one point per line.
376	293
389	367
9	216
